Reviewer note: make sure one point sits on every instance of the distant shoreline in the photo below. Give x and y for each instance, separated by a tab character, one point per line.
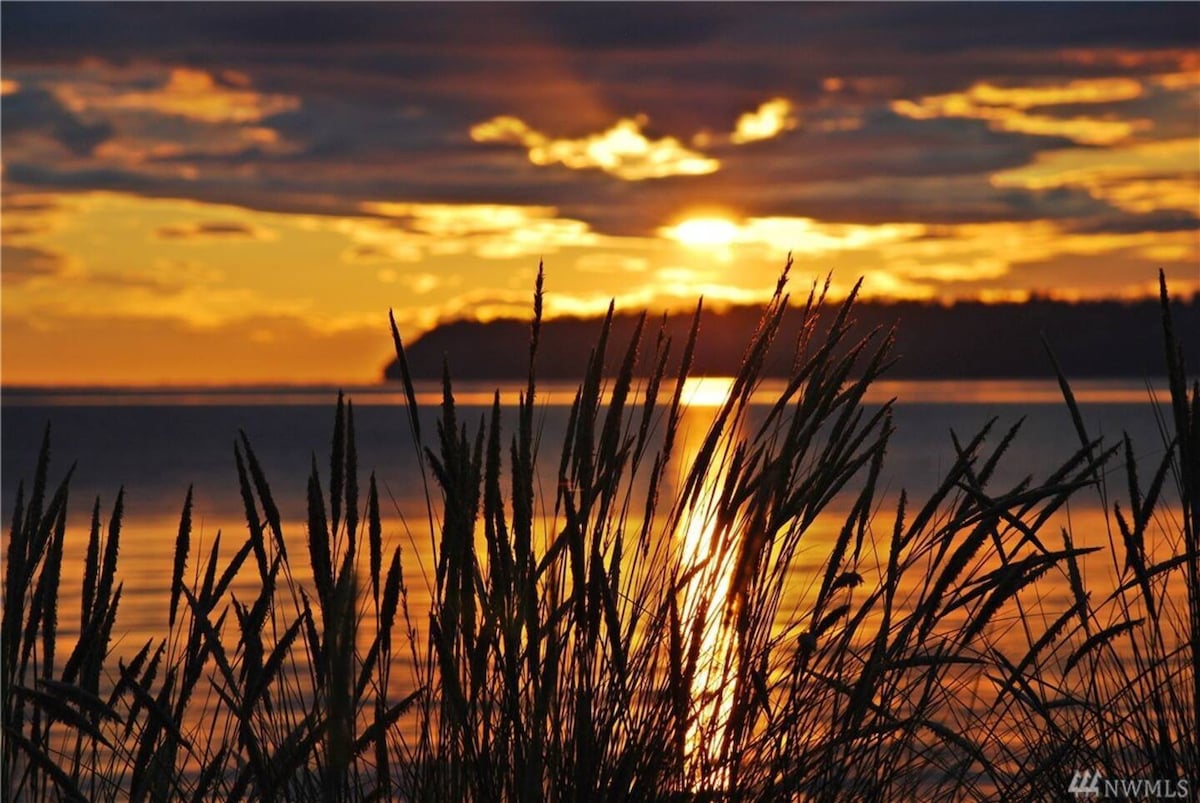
481	393
968	340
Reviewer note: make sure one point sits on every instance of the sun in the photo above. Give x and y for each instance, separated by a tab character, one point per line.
704	232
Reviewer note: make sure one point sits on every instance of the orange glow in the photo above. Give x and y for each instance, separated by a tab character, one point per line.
292	189
88	276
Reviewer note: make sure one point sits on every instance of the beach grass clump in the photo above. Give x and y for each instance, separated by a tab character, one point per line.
1117	690
637	616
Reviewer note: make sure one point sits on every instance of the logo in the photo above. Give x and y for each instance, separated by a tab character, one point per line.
1091	785
1085	783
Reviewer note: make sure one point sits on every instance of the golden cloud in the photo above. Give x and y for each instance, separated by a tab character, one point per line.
537	238
769	120
808	236
980	268
1142	196
1007	109
678	287
800	235
888	284
984	252
189	93
623	150
1178	81
491	231
1095	90
1077	165
602	262
135	296
1140	178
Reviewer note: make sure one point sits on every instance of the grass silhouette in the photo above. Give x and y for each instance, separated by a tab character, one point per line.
599	630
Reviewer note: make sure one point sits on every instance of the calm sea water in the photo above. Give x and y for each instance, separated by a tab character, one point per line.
157	443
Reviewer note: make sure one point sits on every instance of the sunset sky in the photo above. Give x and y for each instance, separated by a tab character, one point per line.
237	193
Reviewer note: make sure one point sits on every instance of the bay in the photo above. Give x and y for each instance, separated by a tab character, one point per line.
156	443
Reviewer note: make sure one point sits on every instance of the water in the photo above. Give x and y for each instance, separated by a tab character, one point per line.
157	443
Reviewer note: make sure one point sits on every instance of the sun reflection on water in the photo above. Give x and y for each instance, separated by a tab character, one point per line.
707	556
705	391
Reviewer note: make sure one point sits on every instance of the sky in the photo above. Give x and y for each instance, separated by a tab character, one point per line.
216	193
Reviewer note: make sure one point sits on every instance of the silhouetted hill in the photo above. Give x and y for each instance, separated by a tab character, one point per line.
966	340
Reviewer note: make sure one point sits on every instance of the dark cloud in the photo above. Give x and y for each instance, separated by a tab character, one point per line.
19	204
51	177
332	130
263	196
22	263
33	29
24	229
213	229
388	94
884	143
337	188
622	26
932	201
863	180
37	111
1162	221
935	201
972	26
